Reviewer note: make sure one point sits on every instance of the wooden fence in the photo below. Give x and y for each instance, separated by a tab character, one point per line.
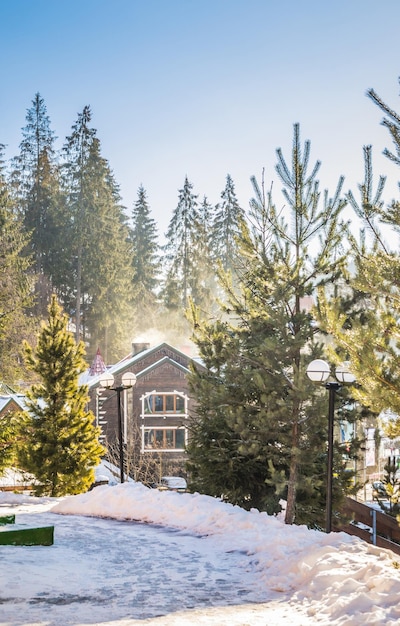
372	525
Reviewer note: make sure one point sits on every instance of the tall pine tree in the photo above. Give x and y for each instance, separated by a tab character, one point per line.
96	270
256	404
145	262
226	227
62	448
36	191
369	334
15	285
204	286
180	242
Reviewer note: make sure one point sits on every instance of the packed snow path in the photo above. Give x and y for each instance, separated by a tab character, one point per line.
176	559
122	569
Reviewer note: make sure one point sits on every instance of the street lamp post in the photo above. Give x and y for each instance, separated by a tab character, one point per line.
320	372
128	380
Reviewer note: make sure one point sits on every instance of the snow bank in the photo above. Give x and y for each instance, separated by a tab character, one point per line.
338	573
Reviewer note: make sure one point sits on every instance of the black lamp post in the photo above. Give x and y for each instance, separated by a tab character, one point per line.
128	380
320	372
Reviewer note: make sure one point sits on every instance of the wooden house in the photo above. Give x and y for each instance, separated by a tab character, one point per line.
10	400
156	411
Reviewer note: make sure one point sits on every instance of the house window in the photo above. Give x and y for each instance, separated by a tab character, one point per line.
172	403
164	439
158	404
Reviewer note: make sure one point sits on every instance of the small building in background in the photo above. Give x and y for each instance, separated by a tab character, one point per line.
10	400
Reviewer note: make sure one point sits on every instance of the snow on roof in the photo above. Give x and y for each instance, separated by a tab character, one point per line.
17	398
87	379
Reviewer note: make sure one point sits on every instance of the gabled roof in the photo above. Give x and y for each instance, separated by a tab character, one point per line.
126	362
129	360
165	359
6	401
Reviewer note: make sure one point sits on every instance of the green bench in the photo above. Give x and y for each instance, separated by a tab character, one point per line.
20	535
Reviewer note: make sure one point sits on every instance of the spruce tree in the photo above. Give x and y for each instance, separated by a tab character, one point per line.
36	192
10	440
255	391
95	274
223	460
180	241
145	263
226	227
204	285
15	285
62	448
390	504
38	139
77	218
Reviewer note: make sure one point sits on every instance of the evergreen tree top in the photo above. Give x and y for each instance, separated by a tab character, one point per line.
37	134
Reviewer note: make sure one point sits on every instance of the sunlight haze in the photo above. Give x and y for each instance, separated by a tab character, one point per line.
206	88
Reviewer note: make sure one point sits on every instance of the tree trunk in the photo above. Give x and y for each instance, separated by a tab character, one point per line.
78	297
292	484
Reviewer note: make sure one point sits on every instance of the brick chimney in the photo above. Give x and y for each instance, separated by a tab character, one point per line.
139	347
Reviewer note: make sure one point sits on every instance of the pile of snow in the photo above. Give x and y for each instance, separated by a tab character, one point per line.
106	471
334	575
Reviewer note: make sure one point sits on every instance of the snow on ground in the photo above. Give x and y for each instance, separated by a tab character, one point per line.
127	555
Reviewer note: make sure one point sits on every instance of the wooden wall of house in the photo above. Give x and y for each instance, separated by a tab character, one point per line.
163	377
9	408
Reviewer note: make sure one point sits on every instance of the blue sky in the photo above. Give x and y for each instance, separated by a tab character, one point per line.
204	88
